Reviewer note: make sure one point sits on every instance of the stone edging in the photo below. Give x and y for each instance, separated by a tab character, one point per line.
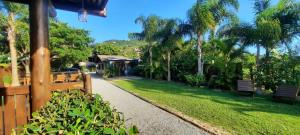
205	127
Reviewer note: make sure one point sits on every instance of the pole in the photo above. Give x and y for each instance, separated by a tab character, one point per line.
39	53
87	83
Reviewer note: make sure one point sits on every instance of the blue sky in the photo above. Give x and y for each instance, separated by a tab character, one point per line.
122	13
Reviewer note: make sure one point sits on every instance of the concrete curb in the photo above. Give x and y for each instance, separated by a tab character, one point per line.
205	127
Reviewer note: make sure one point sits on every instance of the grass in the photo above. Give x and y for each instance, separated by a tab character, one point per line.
226	110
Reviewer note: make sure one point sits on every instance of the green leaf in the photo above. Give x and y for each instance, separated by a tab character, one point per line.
108	131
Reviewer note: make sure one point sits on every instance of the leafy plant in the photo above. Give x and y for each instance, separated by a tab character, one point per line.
195	80
76	113
110	72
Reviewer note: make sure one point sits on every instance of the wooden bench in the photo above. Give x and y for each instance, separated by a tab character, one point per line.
245	86
286	92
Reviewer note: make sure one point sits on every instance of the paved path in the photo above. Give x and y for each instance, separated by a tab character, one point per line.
148	118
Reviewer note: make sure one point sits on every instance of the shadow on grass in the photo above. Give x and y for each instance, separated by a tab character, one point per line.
238	103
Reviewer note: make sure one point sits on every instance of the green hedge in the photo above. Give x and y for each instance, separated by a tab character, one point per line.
76	113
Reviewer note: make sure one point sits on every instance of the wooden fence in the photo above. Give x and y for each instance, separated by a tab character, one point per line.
15	101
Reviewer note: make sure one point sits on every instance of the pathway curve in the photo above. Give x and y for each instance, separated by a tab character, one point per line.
150	119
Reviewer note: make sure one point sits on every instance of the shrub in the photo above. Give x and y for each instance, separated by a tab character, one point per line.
75	113
195	80
110	72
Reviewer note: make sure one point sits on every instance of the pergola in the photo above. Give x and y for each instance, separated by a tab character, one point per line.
39	40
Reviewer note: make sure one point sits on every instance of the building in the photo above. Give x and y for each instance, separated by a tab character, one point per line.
116	65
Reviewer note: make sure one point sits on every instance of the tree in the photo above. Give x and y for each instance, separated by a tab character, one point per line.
68	45
13	11
204	16
151	25
23	42
200	20
169	37
288	15
108	49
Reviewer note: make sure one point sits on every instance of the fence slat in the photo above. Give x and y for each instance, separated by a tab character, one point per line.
1	115
9	114
21	111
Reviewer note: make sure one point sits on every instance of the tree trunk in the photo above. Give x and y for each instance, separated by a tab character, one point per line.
268	61
27	69
11	37
257	55
151	61
200	62
169	66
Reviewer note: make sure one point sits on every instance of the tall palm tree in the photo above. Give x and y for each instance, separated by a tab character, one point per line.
12	10
200	20
169	37
259	7
151	25
204	16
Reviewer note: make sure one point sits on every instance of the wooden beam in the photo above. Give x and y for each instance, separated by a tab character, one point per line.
39	53
66	86
11	91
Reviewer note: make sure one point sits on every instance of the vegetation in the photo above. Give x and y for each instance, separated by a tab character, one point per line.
195	80
68	45
226	110
215	38
75	113
128	48
151	25
14	13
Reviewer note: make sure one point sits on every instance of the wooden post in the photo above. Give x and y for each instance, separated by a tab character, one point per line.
87	83
39	53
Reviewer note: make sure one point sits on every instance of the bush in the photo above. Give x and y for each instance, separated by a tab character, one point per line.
75	113
195	80
110	72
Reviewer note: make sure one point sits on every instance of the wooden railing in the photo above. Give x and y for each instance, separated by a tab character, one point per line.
15	101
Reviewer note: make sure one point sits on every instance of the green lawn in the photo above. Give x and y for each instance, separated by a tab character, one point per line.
236	114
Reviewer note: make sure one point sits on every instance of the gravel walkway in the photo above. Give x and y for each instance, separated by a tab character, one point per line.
148	118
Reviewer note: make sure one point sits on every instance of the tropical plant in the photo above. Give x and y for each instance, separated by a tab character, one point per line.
201	19
204	16
184	61
151	25
195	80
224	62
170	38
75	113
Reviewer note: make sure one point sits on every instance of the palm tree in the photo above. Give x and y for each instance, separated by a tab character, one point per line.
251	34
204	16
151	25
13	10
200	21
169	37
288	14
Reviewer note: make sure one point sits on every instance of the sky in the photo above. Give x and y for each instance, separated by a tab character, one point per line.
122	13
